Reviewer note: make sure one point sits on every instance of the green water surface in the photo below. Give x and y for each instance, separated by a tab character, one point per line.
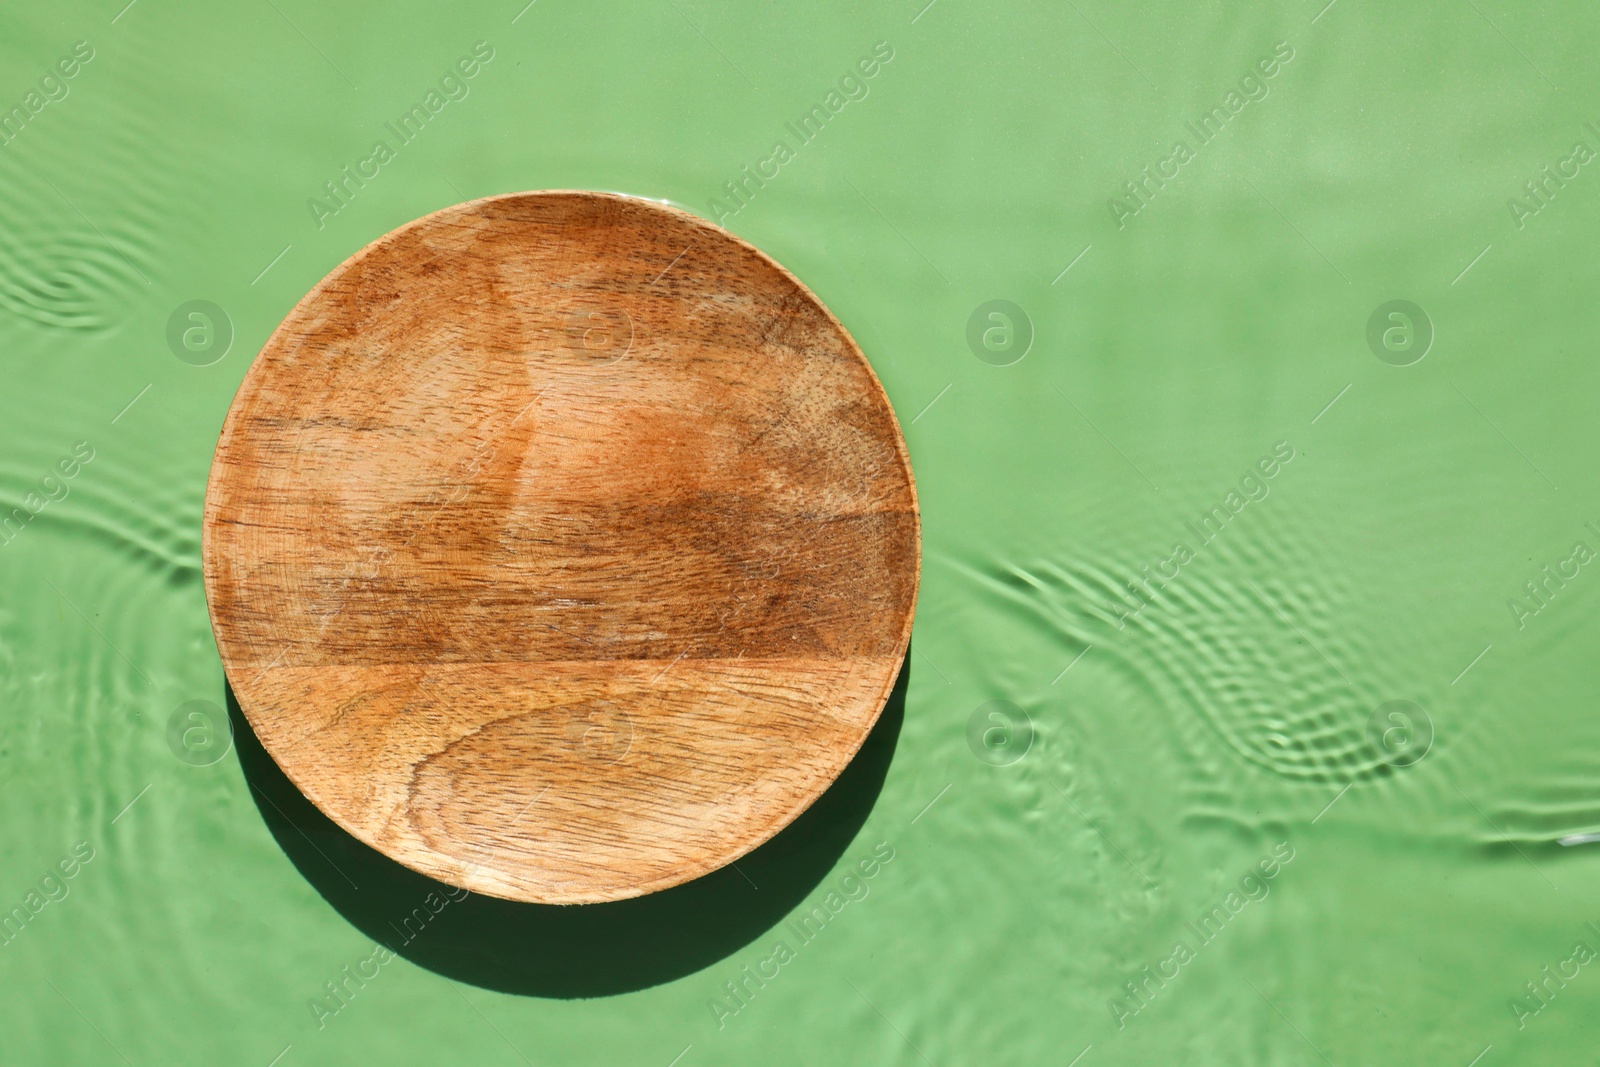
1248	703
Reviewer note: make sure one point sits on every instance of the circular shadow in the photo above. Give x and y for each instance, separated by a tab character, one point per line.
586	950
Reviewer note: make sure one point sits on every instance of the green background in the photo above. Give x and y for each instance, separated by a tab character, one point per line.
1179	348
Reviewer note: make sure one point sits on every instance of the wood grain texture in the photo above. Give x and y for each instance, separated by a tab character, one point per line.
561	546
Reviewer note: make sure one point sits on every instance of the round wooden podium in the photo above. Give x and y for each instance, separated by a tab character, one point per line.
561	546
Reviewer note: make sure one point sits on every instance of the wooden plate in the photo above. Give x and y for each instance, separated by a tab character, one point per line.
561	546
